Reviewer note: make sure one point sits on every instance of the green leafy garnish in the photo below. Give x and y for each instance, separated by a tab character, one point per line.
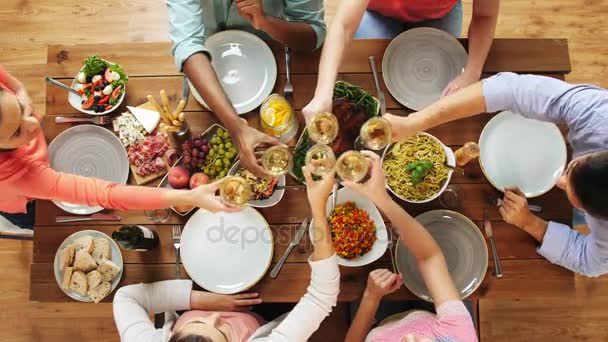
419	170
94	65
123	76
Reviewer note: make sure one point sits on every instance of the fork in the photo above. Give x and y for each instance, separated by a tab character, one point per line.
288	89
177	236
98	120
391	243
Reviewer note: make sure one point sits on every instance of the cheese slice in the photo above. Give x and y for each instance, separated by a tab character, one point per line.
149	119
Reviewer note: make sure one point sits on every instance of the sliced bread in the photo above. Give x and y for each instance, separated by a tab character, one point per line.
66	257
78	283
94	278
67	275
84	242
101	250
84	261
108	270
98	293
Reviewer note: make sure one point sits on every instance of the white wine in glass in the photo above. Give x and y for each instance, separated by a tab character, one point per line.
235	191
352	166
376	133
320	159
323	128
276	160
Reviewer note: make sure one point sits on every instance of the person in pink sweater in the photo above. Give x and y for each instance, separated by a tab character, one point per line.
452	322
25	173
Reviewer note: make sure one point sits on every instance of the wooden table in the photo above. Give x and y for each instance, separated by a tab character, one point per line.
151	68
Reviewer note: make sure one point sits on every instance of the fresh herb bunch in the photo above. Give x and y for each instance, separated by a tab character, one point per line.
419	170
94	65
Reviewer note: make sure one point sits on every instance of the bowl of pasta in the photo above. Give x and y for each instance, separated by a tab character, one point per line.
416	168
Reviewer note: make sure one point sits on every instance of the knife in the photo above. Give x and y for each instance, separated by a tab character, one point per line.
372	63
185	89
488	228
94	217
296	241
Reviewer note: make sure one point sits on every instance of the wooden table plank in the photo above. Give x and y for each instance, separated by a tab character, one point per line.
154	59
522	279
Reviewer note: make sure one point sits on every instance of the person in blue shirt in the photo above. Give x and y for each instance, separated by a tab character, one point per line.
584	109
298	24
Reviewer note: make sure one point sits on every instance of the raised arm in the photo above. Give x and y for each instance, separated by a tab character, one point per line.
42	182
301	29
481	34
322	293
343	26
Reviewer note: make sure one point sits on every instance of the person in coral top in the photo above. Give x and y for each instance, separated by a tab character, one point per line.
386	19
25	173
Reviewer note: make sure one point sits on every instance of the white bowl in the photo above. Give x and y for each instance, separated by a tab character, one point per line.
381	243
76	101
451	160
276	197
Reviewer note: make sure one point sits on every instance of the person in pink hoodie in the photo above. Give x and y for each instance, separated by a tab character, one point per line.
25	173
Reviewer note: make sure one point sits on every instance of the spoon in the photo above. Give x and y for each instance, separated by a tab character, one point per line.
61	85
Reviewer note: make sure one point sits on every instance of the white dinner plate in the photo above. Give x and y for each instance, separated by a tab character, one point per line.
419	63
90	151
276	196
519	152
226	252
76	101
463	246
379	247
245	67
116	258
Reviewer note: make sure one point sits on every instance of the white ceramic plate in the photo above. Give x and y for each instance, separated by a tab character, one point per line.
226	253
245	67
116	258
276	196
76	101
379	247
522	152
419	63
463	246
90	151
451	160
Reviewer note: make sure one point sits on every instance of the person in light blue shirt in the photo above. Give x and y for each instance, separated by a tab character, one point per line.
584	109
298	24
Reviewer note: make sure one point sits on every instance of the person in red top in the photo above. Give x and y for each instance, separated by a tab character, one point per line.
387	19
25	173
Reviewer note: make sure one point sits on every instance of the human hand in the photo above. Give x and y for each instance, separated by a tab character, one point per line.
375	187
514	209
201	300
318	191
401	126
381	282
317	105
246	139
252	11
461	81
204	197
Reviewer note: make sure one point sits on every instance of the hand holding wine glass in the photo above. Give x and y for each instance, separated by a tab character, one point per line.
323	128
234	191
375	187
376	133
276	160
352	166
320	159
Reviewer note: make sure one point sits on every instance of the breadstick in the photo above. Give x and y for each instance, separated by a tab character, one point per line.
180	108
160	111
165	100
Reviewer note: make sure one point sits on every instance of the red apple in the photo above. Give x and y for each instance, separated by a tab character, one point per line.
198	179
179	177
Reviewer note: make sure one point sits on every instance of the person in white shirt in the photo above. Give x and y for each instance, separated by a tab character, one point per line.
223	318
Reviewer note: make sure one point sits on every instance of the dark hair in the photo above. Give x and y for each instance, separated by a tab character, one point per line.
189	338
589	178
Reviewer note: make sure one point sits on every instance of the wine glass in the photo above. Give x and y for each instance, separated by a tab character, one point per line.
276	160
352	166
320	159
235	190
375	133
323	128
158	215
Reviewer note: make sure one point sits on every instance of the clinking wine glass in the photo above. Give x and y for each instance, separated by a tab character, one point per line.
352	166
323	128
235	190
276	160
375	134
320	159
